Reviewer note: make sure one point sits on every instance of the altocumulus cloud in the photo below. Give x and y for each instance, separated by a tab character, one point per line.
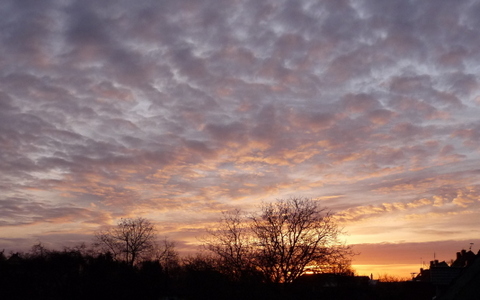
176	110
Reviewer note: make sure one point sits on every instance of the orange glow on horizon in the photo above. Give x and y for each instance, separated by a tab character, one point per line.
400	271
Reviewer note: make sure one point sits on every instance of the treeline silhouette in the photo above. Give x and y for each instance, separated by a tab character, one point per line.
254	256
81	273
73	274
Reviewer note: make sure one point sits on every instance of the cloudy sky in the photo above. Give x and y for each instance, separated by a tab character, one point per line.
178	110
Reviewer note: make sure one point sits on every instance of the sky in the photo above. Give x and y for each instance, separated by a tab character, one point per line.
177	110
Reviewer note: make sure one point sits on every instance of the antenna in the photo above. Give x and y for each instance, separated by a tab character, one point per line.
470	249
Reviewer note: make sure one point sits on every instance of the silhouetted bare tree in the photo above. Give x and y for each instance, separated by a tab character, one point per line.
165	253
129	240
279	243
232	242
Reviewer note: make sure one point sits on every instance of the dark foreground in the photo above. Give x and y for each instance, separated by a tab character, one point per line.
70	275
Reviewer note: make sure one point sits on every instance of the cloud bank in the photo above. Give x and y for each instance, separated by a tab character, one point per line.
177	110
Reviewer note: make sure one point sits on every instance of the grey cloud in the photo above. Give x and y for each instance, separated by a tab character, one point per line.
380	116
227	132
267	124
470	134
415	110
198	103
407	84
200	147
85	26
21	211
360	103
463	84
6	104
409	131
316	120
29	31
423	88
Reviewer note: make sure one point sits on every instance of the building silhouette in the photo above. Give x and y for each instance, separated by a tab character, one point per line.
451	279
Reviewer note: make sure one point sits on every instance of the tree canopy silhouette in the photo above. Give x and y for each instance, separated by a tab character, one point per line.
280	242
129	240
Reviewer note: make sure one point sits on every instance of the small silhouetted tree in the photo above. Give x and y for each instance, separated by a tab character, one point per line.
280	242
232	242
165	253
3	258
129	240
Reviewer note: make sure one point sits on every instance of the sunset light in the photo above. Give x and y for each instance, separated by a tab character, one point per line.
176	111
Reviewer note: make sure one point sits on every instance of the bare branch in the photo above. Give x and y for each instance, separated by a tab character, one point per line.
281	242
129	240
